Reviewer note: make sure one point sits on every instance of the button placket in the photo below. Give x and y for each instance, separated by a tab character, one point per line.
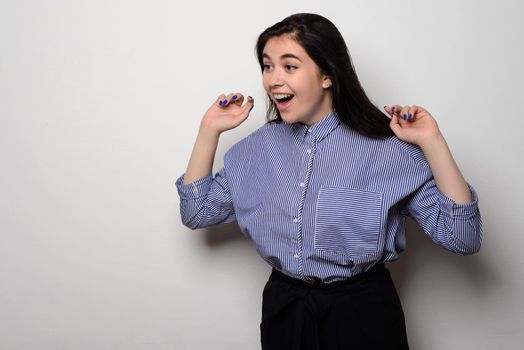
303	184
310	143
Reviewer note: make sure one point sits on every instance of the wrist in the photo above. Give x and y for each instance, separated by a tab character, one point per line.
432	142
208	131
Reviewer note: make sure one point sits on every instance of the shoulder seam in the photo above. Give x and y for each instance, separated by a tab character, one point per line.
410	147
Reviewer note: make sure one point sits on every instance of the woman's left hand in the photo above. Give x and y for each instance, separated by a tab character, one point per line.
413	124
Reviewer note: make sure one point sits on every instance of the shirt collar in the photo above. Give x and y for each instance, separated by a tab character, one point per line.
319	130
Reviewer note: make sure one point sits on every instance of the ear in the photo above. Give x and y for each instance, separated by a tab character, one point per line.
327	82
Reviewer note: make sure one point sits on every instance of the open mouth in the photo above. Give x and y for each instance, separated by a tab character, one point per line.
282	101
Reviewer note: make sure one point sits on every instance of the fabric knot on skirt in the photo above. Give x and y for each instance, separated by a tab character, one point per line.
297	315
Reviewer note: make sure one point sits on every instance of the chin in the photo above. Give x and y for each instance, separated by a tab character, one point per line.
289	118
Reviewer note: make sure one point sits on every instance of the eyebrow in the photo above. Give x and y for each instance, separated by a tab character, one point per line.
286	55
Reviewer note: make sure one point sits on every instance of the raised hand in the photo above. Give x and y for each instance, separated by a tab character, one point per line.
227	112
413	124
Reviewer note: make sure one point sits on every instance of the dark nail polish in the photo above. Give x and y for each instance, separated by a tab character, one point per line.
220	102
251	107
234	97
410	116
224	102
405	116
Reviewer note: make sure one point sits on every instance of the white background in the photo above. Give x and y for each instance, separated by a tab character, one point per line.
100	103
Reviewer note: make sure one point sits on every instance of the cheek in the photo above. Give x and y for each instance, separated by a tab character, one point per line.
265	81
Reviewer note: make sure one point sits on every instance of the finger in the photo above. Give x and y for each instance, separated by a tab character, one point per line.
224	101
419	111
404	113
246	109
389	110
238	99
393	109
394	124
249	105
396	109
412	111
228	99
220	100
394	120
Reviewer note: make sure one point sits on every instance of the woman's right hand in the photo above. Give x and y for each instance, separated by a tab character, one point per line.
227	112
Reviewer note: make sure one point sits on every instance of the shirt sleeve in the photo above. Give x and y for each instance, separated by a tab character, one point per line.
206	201
455	227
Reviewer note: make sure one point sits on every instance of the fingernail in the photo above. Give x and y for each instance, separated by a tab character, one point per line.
225	101
405	116
384	107
410	116
251	107
220	102
249	97
234	97
393	109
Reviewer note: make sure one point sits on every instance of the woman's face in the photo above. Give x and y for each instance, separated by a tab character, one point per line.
288	69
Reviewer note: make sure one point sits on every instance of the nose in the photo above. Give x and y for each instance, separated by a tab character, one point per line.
276	78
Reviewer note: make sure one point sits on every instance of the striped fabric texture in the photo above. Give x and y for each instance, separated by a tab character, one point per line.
323	201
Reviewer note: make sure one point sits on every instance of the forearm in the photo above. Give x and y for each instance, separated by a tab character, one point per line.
203	155
446	173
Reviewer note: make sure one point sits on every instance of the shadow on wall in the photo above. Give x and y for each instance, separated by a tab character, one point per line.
422	255
222	234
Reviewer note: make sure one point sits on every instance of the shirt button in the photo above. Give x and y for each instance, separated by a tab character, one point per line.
302	184
295	220
308	130
309	150
295	256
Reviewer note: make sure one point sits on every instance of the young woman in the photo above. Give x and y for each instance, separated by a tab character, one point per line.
323	190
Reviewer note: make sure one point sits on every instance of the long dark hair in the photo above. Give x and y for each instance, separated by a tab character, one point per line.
325	45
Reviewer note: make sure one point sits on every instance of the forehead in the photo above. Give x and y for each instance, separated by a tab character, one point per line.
282	47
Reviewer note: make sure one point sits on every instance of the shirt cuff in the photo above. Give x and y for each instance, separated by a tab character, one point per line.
450	207
195	189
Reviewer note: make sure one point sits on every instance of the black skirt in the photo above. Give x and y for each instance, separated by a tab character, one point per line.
362	312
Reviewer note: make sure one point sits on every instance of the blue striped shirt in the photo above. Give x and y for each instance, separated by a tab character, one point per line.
323	201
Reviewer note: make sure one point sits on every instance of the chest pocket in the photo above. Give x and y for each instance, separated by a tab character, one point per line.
348	221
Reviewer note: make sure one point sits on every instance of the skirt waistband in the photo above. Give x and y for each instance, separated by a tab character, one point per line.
376	270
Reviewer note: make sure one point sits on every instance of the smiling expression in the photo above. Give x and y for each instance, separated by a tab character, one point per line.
289	72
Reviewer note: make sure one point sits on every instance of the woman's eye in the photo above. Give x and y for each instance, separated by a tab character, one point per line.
287	66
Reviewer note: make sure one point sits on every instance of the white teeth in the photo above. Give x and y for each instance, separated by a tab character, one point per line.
278	97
